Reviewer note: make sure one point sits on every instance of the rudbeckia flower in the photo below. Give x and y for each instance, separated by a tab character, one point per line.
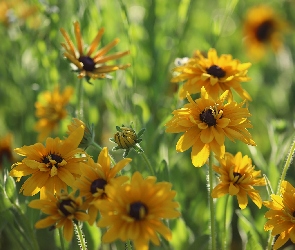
263	27
6	154
281	215
216	74
52	167
91	65
62	209
135	211
206	123
238	177
95	177
51	109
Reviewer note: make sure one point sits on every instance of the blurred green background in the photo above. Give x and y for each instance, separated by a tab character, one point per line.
156	32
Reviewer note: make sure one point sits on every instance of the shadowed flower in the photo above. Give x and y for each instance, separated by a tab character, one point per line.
52	167
237	177
6	154
206	122
216	74
280	217
51	109
263	27
89	65
62	209
135	211
95	177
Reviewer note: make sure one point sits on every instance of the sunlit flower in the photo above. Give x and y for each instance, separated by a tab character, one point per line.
206	122
216	74
135	211
95	177
238	177
63	210
126	139
52	167
91	65
280	217
51	109
6	154
263	27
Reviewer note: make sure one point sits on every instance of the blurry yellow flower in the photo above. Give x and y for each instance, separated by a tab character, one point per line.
281	215
237	177
62	209
95	177
6	154
91	66
206	122
216	74
51	109
52	167
263	27
135	211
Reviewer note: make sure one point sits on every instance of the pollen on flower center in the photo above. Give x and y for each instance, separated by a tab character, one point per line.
208	117
138	210
264	31
52	160
98	183
239	176
67	207
216	71
88	63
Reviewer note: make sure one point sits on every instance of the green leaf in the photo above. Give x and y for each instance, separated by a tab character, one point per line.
252	243
4	200
10	189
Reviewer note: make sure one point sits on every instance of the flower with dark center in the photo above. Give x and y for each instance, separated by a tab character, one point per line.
264	31
88	63
138	210
65	206
237	175
208	117
97	184
216	71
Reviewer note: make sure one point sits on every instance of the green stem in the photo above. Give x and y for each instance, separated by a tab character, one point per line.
211	203
224	225
100	148
148	163
62	244
80	237
79	110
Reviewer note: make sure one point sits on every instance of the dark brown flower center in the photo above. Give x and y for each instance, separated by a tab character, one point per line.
98	183
264	31
67	207
216	71
88	63
208	117
138	210
51	158
239	176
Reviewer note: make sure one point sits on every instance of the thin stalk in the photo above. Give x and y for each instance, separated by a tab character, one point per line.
100	148
224	225
62	244
211	203
152	171
80	102
80	237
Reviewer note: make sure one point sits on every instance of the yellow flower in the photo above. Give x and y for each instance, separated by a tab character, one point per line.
95	177
237	177
91	66
6	154
135	211
51	109
263	27
61	209
281	215
206	122
216	74
52	167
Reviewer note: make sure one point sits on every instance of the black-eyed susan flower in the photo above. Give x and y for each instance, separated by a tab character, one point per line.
89	134
91	65
281	219
126	139
206	123
6	153
63	211
95	177
135	211
238	177
263	27
51	109
52	167
216	74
